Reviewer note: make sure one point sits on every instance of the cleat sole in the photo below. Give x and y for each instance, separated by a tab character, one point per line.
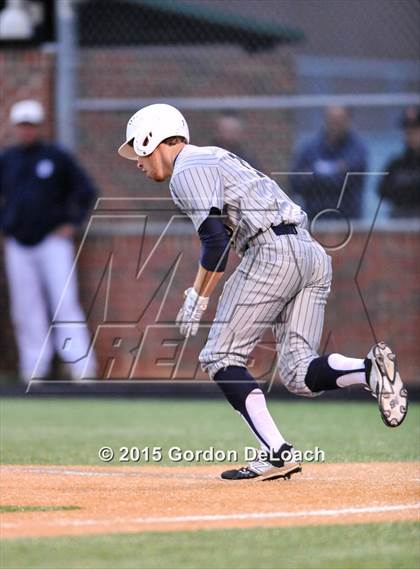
285	474
391	393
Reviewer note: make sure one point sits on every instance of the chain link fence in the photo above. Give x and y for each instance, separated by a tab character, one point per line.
257	77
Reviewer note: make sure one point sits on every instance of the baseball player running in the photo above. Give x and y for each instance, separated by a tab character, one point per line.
281	282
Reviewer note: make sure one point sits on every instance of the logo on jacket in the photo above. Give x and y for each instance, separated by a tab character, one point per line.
44	168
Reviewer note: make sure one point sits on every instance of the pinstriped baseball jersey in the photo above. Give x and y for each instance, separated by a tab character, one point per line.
282	282
206	177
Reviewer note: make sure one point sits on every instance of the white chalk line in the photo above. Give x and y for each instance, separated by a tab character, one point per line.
70	472
256	515
227	517
145	474
92	473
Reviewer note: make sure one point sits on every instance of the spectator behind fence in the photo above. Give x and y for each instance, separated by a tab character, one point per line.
229	134
401	186
334	152
44	196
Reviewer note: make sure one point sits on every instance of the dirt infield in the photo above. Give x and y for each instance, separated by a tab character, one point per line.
151	498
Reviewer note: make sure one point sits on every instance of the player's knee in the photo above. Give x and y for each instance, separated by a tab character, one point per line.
295	383
211	362
292	372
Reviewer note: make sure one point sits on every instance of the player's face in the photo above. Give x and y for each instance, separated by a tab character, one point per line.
146	164
159	164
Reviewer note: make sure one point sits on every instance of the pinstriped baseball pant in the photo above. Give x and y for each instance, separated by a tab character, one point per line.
282	283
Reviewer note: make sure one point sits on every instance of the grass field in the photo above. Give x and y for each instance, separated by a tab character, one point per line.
70	431
373	546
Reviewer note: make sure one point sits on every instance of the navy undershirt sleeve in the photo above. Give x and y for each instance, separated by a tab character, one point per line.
214	242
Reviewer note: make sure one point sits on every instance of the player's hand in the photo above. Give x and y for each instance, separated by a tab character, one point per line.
188	318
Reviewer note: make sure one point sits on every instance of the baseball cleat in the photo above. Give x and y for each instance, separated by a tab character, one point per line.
386	385
244	473
280	465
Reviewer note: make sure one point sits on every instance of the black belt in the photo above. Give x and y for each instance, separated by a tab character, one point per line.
282	229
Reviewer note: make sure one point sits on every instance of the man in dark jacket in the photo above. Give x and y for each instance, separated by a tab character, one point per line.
401	186
321	166
44	197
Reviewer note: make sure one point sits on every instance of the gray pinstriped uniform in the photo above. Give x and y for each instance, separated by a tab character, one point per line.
282	281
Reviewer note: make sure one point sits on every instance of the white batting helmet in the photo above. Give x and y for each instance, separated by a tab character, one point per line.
149	126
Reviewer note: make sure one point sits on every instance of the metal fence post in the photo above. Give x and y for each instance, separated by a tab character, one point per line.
65	82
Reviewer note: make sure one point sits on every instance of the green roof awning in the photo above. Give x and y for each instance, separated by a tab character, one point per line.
172	22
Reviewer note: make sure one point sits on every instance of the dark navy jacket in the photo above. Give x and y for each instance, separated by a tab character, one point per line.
322	189
41	187
401	186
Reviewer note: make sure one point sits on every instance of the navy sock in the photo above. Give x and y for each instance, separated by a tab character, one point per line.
368	368
237	383
322	377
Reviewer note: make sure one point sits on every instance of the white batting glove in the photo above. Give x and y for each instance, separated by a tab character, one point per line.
188	318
